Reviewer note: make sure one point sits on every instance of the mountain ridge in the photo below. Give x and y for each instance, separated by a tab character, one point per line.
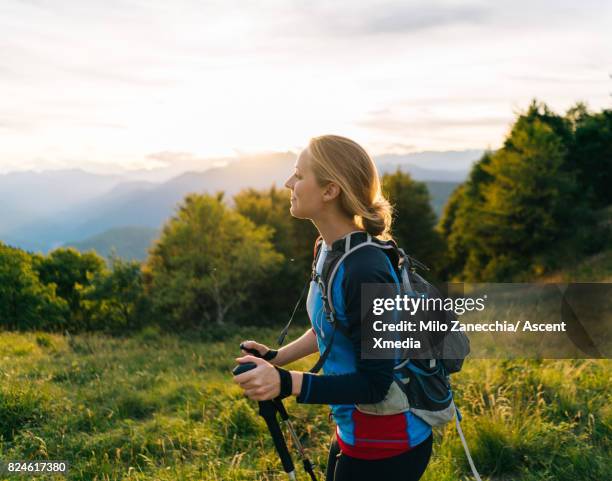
121	202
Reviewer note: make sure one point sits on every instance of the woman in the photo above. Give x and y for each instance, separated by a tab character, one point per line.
336	186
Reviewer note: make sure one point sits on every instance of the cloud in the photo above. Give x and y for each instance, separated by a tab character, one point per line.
167	158
406	18
399	147
98	75
119	79
180	161
566	79
15	123
26	122
337	19
399	124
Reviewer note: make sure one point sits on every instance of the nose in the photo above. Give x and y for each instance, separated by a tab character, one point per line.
289	182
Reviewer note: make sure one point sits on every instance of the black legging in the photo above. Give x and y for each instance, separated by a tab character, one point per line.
408	466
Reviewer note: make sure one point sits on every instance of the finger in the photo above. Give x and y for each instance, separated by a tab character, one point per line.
250	345
252	348
251	394
265	395
259	394
245	376
251	351
250	358
251	384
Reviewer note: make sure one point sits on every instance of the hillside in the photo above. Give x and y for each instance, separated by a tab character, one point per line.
126	242
594	268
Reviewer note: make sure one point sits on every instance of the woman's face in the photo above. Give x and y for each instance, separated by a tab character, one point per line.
306	194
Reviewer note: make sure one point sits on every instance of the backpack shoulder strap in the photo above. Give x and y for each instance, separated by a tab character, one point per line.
317	247
389	248
341	249
316	250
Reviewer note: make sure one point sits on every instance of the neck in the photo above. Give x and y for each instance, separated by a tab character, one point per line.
334	228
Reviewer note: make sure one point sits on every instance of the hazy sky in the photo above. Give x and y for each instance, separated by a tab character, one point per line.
88	83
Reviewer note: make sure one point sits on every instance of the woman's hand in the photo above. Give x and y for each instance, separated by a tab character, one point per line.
261	383
262	349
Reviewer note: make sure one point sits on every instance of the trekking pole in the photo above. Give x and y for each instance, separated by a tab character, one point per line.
267	410
458	418
308	466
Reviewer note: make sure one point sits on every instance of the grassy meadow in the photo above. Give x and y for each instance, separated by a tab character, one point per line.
159	406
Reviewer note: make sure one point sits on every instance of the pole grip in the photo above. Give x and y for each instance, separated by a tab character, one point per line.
242	368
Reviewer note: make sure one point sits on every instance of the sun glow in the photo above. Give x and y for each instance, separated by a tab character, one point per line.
97	85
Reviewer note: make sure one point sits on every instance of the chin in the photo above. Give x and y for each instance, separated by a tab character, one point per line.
295	212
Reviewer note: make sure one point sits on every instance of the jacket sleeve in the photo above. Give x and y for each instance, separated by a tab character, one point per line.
372	378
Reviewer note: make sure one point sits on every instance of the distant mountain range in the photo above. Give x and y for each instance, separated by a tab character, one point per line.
25	196
41	211
127	242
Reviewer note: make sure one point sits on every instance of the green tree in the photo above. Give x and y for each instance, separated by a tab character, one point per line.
25	302
71	272
521	211
539	111
116	301
525	205
452	231
294	238
207	261
415	221
461	214
590	155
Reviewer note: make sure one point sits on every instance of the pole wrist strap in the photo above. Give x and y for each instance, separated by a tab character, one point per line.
286	383
271	354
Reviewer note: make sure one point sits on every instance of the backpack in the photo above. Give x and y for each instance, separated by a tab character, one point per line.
421	386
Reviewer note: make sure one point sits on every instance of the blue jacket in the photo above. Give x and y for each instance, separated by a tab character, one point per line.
347	378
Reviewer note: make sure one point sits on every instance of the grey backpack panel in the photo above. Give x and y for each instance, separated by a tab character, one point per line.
426	381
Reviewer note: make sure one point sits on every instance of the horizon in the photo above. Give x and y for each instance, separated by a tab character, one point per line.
213	163
128	86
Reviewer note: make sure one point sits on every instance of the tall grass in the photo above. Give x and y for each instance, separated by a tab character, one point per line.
163	407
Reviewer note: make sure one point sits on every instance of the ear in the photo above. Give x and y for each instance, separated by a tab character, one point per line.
331	191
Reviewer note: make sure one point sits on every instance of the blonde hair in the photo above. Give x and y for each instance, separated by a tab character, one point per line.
344	162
